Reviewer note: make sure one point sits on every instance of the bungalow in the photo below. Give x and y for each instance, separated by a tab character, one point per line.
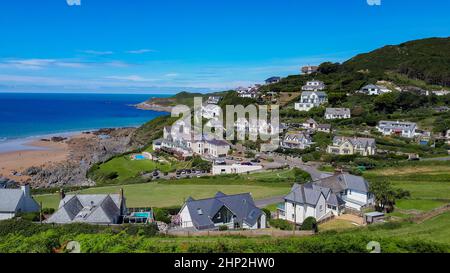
13	201
296	140
352	145
325	197
314	86
309	100
324	128
234	211
99	209
372	89
400	128
273	80
310	124
337	113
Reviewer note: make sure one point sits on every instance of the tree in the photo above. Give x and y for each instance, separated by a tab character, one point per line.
310	223
384	195
300	176
328	67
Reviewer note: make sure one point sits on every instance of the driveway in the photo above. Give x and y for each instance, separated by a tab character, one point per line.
269	201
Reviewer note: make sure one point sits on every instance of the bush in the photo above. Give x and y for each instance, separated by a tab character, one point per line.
161	215
310	223
281	224
223	227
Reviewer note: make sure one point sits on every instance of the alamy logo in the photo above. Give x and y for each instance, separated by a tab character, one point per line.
73	2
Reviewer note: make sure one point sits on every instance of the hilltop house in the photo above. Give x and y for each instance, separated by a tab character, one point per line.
214	100
314	86
13	201
352	145
99	209
400	128
296	140
337	113
372	89
249	92
325	197
309	69
234	211
309	100
273	80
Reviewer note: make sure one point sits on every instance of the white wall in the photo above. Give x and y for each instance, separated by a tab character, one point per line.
186	220
234	169
6	215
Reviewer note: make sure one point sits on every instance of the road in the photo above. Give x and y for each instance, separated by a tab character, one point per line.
269	201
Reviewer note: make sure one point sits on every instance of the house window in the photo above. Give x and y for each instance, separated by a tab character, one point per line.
237	225
199	211
293	216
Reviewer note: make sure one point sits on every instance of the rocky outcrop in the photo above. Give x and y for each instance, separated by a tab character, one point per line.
84	152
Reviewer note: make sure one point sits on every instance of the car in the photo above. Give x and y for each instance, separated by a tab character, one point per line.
246	163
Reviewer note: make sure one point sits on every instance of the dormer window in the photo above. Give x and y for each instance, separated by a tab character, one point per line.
199	211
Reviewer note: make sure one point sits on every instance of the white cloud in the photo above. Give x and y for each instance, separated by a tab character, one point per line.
132	78
140	51
95	52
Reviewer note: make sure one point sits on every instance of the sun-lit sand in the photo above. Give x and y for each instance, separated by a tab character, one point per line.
49	152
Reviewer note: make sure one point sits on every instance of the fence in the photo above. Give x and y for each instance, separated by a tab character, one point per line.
245	233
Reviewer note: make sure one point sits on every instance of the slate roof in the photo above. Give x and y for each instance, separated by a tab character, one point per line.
385	124
360	142
88	208
217	142
12	200
241	205
320	94
306	194
371	86
337	111
344	181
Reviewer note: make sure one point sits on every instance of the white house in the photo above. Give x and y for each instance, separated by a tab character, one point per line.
337	113
309	69
352	145
309	100
99	209
400	128
372	89
314	86
235	168
296	140
325	197
13	201
234	211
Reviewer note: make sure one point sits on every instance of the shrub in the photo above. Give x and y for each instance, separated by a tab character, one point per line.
268	213
281	224
161	215
310	223
223	227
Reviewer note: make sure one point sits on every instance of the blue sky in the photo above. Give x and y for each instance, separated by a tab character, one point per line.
144	46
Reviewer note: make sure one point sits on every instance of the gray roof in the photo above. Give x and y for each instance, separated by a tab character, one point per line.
309	93
371	86
217	142
241	205
88	208
337	111
14	200
344	181
306	194
355	141
397	124
324	126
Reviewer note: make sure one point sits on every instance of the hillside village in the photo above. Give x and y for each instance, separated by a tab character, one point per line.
338	129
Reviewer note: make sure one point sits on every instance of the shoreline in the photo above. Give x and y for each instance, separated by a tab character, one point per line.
153	107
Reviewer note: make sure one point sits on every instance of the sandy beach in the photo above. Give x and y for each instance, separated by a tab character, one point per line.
39	153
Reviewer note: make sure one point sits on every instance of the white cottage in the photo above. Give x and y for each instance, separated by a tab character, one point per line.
13	201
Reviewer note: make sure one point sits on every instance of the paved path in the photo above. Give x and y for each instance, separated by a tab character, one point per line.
269	201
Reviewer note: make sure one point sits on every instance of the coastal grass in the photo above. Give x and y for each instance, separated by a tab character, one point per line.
166	194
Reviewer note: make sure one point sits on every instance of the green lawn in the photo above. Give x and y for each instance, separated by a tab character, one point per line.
127	169
166	194
336	224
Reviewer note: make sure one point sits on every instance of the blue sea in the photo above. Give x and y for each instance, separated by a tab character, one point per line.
25	115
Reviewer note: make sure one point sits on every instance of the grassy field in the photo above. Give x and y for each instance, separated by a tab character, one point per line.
428	183
336	224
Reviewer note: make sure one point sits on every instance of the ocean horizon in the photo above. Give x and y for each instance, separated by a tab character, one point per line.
32	115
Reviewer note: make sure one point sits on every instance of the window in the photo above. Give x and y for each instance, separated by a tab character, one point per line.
199	211
293	216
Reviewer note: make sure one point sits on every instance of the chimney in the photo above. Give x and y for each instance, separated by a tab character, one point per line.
62	194
26	190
